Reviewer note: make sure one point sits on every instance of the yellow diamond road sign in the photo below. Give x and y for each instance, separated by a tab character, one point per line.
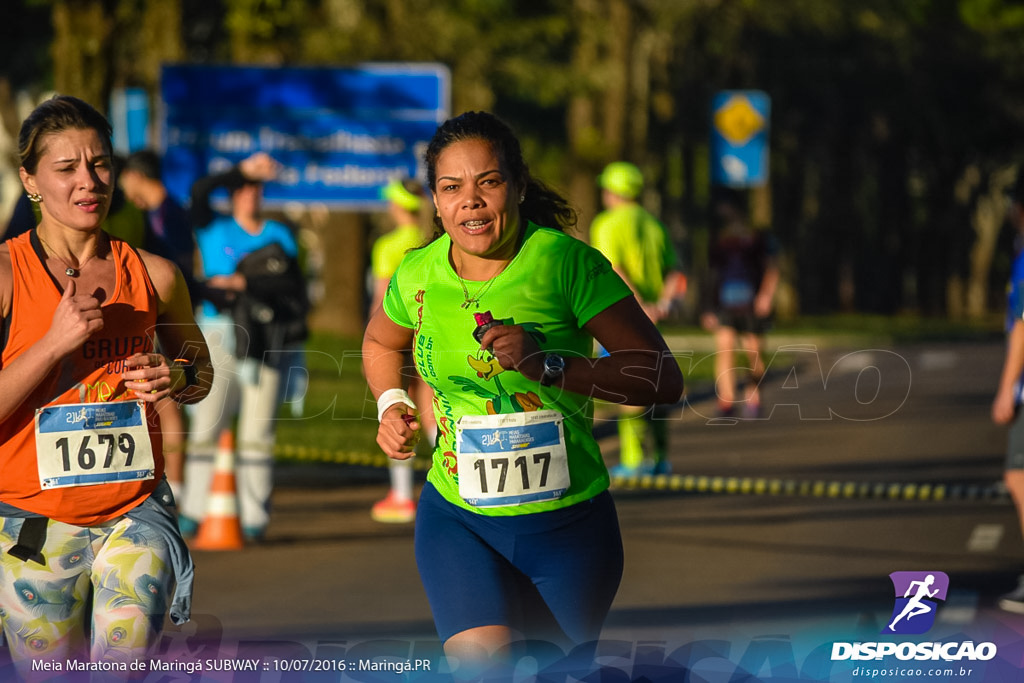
738	121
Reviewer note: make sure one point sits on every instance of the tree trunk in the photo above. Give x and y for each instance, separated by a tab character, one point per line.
82	50
640	97
615	97
987	220
161	37
584	134
10	182
341	239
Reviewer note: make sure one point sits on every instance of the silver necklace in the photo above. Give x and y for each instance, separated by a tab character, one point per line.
69	270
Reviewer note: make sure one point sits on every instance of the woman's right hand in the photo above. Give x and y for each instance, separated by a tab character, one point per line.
78	317
398	433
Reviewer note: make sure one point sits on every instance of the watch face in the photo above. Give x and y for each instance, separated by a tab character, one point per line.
554	366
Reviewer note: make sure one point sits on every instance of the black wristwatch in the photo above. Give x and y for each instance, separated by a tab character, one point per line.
191	374
188	369
554	368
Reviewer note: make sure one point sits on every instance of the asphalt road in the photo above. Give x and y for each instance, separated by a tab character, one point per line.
782	529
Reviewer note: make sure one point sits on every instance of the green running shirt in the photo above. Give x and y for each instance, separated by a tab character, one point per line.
553	287
635	242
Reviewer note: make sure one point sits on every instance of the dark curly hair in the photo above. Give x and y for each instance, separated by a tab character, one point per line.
541	204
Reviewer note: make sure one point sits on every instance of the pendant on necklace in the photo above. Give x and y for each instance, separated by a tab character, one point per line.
71	272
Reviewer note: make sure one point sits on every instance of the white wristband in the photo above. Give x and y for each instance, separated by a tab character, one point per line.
390	398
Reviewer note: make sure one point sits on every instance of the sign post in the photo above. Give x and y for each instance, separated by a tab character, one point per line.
739	140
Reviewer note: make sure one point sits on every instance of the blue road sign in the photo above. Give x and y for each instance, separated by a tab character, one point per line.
339	133
739	139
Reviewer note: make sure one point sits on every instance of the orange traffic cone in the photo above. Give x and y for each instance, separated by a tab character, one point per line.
221	529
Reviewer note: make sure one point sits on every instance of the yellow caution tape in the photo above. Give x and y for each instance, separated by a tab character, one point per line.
849	490
702	483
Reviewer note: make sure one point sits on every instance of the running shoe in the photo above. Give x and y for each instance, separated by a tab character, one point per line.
661	467
1014	600
394	510
621	470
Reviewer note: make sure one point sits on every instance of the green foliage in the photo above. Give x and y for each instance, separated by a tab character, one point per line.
339	412
266	30
880	110
992	17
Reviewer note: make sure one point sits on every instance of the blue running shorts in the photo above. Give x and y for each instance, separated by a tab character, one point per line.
548	575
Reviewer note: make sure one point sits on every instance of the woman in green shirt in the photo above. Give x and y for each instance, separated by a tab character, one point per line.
516	534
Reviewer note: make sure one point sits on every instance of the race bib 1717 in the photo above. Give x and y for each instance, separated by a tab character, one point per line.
512	459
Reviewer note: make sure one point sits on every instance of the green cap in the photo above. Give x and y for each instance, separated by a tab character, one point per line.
622	178
397	193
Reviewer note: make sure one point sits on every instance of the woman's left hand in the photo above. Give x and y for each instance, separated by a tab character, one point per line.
149	375
515	349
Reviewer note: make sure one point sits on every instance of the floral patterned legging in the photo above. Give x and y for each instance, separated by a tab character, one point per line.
101	596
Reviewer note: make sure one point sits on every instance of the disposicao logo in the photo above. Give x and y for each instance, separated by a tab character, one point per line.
917	598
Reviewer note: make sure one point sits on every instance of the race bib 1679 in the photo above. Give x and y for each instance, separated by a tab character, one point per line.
83	444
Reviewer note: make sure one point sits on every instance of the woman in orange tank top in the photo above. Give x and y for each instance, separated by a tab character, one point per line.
86	515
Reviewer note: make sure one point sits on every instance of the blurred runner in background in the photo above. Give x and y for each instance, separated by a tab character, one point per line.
738	297
406	200
642	253
169	235
1006	405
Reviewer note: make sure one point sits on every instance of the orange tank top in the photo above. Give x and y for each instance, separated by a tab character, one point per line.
90	375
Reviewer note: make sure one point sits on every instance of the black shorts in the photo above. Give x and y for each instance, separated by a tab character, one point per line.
744	321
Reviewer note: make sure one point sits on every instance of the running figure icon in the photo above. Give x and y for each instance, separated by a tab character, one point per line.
915	606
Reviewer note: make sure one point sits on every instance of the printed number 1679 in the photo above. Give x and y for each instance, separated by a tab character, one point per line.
87	457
